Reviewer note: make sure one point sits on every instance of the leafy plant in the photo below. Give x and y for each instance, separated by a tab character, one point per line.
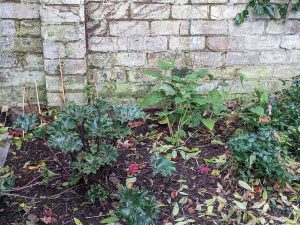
86	132
265	7
6	182
180	101
96	192
163	166
259	155
25	123
47	175
286	116
137	208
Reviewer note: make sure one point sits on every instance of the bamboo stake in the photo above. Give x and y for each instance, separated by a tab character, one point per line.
62	79
23	106
37	97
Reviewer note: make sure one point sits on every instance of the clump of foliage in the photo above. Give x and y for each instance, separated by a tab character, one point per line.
163	166
86	132
265	7
181	104
25	123
96	192
286	116
256	114
137	208
259	155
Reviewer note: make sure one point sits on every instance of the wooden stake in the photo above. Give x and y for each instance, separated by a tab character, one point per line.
23	105
37	97
62	79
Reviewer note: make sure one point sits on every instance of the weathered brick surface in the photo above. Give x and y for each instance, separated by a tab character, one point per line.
99	40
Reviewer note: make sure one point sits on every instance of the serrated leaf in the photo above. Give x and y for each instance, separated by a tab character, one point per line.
258	110
168	89
153	74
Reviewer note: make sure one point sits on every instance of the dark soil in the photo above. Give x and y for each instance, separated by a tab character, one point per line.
69	202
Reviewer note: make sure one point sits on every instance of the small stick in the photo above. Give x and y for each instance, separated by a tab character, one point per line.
23	106
62	79
37	97
97	94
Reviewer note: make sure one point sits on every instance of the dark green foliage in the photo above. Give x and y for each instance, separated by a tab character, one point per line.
128	112
25	123
6	182
163	166
137	208
259	155
181	104
286	116
265	7
92	161
96	192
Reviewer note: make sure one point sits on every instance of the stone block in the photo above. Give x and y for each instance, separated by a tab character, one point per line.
290	42
63	32
129	28
170	27
187	43
7	27
131	59
150	11
62	14
190	12
208	27
19	11
225	43
107	10
242	58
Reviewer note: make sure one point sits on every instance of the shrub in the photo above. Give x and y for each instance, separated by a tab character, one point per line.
286	116
86	132
259	155
180	101
137	208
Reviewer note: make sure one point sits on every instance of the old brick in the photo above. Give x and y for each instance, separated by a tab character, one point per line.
76	49
190	12
291	42
70	66
102	60
107	10
242	58
280	57
247	28
54	50
71	83
150	11
283	27
7	27
131	59
169	27
30	27
223	12
34	62
261	42
63	33
187	43
62	2
209	1
19	11
7	60
55	99
206	59
129	28
60	14
225	43
208	27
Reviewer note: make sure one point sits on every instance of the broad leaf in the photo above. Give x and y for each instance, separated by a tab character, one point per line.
153	98
209	123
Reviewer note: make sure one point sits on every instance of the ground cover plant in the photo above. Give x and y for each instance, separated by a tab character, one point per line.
102	163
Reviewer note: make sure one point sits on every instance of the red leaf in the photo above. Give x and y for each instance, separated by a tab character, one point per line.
49	217
133	168
204	170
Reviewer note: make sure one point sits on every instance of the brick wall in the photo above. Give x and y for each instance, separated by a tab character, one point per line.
104	40
21	54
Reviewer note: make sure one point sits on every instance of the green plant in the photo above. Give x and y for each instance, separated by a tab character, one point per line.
286	116
266	7
47	175
163	166
137	208
6	182
259	155
256	114
182	105
25	123
96	192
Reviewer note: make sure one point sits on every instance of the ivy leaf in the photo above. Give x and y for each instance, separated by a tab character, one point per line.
297	6
239	18
209	123
259	9
269	9
153	98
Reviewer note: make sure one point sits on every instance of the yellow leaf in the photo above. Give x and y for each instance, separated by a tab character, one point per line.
215	172
77	221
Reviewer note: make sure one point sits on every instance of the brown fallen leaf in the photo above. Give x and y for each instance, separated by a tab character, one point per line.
49	217
191	210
